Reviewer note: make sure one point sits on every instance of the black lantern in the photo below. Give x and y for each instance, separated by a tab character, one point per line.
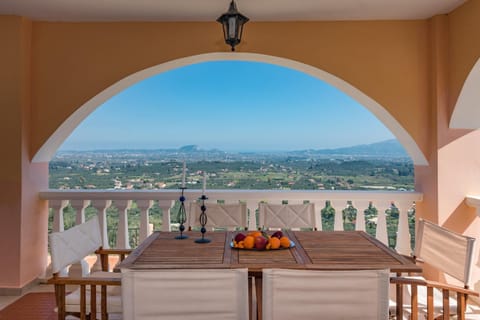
232	22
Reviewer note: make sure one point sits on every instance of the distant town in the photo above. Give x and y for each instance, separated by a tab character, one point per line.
379	166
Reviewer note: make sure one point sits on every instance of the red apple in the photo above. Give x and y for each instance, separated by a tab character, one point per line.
260	243
278	234
239	237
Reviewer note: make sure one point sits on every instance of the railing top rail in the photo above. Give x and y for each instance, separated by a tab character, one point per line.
171	194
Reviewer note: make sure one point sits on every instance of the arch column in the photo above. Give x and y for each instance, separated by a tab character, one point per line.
23	217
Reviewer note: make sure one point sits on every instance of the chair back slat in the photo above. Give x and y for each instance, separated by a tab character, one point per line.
445	250
71	246
176	294
330	295
288	216
230	215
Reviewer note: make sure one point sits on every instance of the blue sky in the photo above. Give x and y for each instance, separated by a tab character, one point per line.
229	105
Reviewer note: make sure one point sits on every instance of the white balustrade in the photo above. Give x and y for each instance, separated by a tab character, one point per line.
382	206
166	205
58	205
252	217
101	200
361	206
102	206
338	205
144	206
403	230
122	232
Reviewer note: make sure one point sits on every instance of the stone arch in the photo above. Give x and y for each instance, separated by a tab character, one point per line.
466	113
49	148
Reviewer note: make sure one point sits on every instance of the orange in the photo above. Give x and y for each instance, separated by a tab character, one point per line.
255	234
275	243
248	242
285	242
241	244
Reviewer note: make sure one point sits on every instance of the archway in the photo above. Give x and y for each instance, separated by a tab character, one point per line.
47	151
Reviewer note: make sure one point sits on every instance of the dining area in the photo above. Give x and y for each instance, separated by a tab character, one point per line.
347	255
200	271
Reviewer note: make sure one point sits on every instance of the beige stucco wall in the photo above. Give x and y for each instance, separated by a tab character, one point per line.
72	62
415	69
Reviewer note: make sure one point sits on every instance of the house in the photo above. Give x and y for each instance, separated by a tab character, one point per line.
415	68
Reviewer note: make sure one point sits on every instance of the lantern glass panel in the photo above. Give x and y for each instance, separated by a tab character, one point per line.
232	27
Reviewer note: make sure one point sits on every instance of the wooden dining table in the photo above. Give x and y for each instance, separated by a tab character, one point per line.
310	250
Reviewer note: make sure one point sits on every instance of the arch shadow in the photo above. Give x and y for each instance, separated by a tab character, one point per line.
48	149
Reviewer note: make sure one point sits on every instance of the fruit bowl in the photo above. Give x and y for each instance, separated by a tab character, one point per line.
292	244
260	240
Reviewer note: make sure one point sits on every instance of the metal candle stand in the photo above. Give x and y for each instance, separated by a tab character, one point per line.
182	216
203	221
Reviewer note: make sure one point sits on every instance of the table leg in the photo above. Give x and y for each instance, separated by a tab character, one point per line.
250	298
258	289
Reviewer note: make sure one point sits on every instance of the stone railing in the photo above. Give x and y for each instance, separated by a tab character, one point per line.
101	200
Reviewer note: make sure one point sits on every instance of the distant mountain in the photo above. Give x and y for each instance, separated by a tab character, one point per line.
387	148
384	149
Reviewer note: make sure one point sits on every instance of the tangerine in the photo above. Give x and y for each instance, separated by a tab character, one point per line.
275	243
248	242
285	242
255	234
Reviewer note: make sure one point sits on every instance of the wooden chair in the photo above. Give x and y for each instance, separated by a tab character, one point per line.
230	216
327	295
288	216
447	252
177	294
89	299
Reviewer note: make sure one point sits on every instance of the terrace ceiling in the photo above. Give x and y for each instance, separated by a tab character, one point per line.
209	10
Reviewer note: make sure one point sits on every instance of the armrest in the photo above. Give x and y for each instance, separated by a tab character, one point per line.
104	253
432	284
461	293
113	251
85	281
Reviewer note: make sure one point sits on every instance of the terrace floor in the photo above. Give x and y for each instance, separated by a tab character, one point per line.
42	313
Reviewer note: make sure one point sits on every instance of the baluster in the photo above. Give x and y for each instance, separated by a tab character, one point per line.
361	206
82	267
252	217
381	233
319	205
58	206
338	205
166	205
122	233
144	206
102	206
403	232
79	206
58	226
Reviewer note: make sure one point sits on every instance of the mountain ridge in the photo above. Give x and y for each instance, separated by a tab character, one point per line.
387	148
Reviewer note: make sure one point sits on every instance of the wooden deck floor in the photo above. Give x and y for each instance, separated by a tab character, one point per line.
32	306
